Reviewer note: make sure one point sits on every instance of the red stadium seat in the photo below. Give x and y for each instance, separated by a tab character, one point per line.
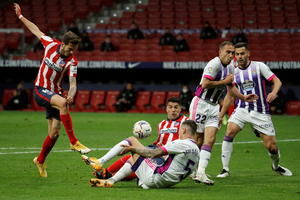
7	95
110	100
142	101
82	99
173	94
293	108
158	101
97	100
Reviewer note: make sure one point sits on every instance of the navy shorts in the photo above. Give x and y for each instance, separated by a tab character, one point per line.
43	96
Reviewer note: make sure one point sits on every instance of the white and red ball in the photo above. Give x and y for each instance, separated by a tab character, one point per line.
142	129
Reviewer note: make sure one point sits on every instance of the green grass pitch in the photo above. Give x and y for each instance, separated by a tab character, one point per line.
22	134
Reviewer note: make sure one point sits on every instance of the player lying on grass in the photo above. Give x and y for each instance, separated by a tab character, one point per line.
250	78
168	130
58	61
182	156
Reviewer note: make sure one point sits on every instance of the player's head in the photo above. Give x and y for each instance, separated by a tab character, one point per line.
226	52
173	108
188	128
242	54
70	43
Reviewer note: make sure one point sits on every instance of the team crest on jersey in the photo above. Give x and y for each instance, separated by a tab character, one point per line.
248	85
62	63
52	65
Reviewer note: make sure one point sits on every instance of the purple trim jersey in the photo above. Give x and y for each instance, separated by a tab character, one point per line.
252	80
214	71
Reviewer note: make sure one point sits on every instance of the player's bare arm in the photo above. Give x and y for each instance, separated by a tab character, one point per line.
276	87
72	89
31	26
207	83
228	100
145	152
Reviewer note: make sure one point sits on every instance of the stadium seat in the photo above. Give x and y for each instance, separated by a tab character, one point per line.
81	100
173	94
158	101
97	100
142	102
7	95
110	100
293	107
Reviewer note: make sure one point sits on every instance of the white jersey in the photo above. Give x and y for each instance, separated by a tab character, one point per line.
215	71
252	80
182	160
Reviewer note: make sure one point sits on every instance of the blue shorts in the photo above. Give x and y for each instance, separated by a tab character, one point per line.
43	96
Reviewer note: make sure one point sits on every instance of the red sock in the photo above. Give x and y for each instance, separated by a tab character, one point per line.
47	146
118	164
67	121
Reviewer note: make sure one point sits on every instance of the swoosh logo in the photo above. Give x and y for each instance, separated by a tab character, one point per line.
132	65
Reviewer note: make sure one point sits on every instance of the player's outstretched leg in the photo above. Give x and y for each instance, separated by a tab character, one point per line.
201	177
227	148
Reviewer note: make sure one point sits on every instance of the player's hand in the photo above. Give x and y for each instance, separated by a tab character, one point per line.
18	10
69	100
271	96
125	149
229	78
251	98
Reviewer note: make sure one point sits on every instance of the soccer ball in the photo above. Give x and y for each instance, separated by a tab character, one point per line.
142	129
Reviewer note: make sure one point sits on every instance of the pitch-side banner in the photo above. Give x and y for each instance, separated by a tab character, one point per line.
141	65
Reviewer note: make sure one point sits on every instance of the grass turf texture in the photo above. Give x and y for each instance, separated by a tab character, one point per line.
251	174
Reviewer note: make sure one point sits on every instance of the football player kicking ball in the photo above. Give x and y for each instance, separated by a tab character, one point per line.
168	131
58	60
182	158
250	78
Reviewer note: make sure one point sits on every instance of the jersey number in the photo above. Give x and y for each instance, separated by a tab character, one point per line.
200	118
187	169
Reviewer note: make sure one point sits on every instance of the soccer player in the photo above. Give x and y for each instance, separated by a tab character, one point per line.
58	60
168	131
250	78
182	158
204	108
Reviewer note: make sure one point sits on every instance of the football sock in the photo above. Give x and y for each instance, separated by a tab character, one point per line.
205	154
275	158
113	152
227	147
113	168
67	121
46	148
122	173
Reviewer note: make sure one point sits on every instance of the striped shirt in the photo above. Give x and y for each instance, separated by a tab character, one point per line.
168	130
214	71
252	80
53	67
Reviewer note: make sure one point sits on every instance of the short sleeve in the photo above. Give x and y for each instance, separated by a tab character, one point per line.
266	72
211	70
46	40
72	68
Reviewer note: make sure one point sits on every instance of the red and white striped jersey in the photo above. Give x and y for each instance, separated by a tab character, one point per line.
53	67
168	130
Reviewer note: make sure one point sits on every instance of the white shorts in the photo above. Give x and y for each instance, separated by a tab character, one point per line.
204	114
259	121
144	169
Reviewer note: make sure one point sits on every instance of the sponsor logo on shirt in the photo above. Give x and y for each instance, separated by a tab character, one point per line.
52	65
168	130
248	85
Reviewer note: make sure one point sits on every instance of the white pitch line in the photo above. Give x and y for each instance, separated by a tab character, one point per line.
105	149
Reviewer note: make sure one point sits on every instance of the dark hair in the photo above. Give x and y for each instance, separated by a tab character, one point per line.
223	44
173	100
192	125
241	44
70	37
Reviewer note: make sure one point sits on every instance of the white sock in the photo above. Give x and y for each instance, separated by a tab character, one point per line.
275	159
122	173
113	152
227	148
203	162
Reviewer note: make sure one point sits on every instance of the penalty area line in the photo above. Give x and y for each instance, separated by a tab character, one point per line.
106	149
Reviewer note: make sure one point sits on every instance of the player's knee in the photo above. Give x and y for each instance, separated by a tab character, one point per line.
132	139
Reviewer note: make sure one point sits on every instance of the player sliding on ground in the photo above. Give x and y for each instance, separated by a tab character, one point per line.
250	78
182	159
58	60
